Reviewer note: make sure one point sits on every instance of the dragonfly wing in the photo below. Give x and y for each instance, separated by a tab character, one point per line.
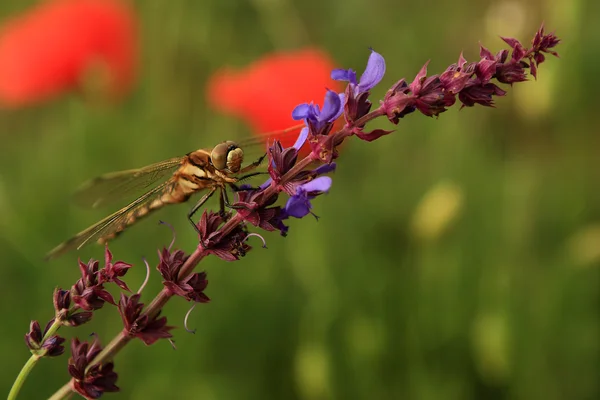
115	223
114	186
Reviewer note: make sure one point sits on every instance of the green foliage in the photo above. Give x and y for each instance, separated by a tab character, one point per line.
454	259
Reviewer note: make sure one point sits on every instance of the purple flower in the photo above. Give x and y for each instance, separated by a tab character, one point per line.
88	292
229	247
318	120
299	205
372	76
98	379
49	347
192	287
357	102
113	271
137	324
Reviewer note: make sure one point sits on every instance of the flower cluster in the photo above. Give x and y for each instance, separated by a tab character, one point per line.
471	82
299	180
90	382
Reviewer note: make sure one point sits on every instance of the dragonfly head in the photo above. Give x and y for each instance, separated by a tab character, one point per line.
227	155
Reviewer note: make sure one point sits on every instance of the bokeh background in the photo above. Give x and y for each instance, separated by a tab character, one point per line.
457	258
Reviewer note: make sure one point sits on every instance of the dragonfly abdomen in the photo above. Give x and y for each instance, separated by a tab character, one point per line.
179	192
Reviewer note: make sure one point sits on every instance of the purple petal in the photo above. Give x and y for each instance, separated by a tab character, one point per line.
331	107
342	97
320	184
266	184
301	138
302	111
325	168
297	206
373	73
348	75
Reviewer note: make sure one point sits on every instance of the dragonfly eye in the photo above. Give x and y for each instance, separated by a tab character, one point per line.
227	155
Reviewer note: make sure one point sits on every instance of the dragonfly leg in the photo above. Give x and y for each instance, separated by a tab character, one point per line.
250	175
199	204
225	200
253	165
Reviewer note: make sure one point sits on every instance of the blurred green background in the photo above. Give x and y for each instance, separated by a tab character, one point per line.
457	258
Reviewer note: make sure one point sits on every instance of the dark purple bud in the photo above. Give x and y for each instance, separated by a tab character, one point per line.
356	106
518	50
228	247
262	216
197	284
88	293
398	102
480	94
511	73
501	56
485	70
170	263
98	379
53	347
78	318
190	288
281	161
416	85
33	338
434	99
61	300
113	271
485	53
136	324
49	347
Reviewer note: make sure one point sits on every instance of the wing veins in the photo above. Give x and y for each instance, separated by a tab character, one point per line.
113	186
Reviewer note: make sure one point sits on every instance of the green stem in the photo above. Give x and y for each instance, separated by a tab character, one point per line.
63	392
18	384
24	373
109	352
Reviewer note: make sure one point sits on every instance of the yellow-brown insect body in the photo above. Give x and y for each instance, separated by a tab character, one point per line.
199	170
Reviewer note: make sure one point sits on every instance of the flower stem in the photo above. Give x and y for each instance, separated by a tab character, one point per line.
63	392
26	370
18	384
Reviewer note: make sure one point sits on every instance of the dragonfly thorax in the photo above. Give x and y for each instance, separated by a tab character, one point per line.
227	155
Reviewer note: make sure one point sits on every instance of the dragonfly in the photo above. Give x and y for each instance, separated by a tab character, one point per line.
203	170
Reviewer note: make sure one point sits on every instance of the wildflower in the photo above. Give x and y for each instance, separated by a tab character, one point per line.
100	378
229	247
191	287
357	92
50	347
63	312
146	328
299	205
112	272
262	216
320	121
264	92
88	292
372	75
60	44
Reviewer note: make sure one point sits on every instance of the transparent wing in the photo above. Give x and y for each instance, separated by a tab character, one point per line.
116	222
114	186
262	139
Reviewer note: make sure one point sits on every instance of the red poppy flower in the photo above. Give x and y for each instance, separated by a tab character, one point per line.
57	45
265	93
